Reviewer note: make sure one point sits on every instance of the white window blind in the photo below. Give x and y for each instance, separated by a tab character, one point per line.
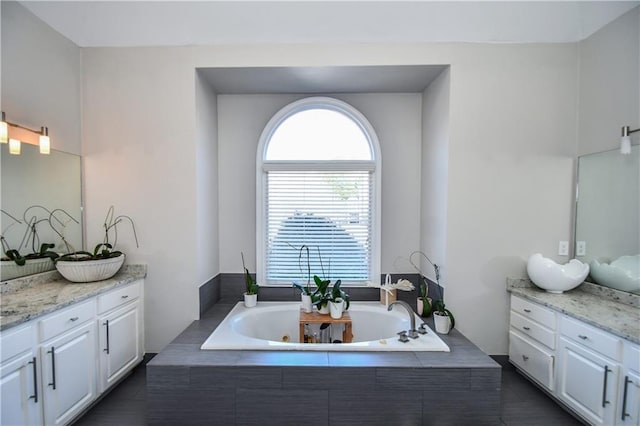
329	212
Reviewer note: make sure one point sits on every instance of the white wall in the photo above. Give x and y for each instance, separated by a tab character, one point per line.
207	246
435	170
609	84
40	77
396	119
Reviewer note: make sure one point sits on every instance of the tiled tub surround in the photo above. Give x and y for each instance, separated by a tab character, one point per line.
24	299
186	385
608	309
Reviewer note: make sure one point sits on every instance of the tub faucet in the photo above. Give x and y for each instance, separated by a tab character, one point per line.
413	333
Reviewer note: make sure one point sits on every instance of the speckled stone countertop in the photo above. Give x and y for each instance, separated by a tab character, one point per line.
24	299
610	310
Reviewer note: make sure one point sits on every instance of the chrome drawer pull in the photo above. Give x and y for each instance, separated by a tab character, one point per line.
526	328
525	358
604	387
624	398
125	296
528	311
35	382
73	319
582	336
106	324
53	367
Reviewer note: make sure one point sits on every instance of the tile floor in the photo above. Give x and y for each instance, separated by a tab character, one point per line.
522	404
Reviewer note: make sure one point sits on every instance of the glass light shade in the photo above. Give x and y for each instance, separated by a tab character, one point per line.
14	146
4	132
45	145
625	145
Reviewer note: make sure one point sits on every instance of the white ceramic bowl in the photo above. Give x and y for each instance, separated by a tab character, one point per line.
89	270
621	274
555	278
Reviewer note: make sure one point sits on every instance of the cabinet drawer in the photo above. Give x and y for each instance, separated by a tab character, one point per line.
592	338
534	330
118	297
535	361
67	319
632	356
535	312
14	342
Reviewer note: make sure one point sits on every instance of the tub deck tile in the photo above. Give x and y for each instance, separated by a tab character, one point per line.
328	378
283	358
373	359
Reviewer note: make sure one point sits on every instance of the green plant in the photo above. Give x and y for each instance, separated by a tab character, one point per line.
321	296
426	302
251	285
104	250
440	309
338	294
438	306
12	254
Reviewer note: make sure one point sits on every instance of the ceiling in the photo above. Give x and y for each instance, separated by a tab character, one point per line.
180	23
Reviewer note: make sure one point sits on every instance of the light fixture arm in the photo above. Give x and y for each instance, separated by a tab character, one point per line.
626	131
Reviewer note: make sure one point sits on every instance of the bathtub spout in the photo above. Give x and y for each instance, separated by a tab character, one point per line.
413	333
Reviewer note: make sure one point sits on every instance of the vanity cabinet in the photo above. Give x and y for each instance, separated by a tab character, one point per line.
629	406
20	393
593	372
56	366
532	341
120	333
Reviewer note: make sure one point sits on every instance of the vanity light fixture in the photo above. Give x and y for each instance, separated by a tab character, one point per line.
625	142
14	144
4	131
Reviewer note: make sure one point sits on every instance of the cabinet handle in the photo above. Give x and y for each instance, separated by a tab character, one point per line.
582	336
624	398
604	388
525	358
35	381
526	328
53	366
528	311
125	296
73	319
106	324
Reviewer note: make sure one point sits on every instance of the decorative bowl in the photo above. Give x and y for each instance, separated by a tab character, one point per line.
555	278
621	274
10	270
85	271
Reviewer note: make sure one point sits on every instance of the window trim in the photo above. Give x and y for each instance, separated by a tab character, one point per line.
263	166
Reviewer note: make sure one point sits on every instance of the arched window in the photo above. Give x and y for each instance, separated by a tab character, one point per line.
318	186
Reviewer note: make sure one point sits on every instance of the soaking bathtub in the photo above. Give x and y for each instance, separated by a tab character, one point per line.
275	326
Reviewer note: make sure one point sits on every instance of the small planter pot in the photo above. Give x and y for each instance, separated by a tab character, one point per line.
442	322
306	303
336	309
250	300
324	309
424	311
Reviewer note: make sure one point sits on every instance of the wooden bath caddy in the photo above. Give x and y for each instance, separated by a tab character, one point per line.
316	318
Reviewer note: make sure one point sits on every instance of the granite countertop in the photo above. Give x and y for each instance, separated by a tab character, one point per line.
610	310
24	299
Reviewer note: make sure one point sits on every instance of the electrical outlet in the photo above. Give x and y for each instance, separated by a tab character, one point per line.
563	248
581	248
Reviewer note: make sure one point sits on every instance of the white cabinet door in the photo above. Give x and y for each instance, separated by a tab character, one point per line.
120	343
587	383
630	400
68	374
19	393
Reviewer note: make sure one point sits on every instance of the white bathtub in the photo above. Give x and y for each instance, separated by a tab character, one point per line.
274	326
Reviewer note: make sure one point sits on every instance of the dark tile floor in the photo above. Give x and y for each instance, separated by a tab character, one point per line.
522	404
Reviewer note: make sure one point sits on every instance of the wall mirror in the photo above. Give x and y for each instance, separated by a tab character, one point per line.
608	218
33	185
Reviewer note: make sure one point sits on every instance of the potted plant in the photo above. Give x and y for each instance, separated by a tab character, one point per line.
15	265
339	301
442	317
424	303
321	296
305	291
101	264
251	287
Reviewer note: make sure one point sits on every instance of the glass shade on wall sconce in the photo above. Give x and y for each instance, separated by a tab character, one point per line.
625	142
14	143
